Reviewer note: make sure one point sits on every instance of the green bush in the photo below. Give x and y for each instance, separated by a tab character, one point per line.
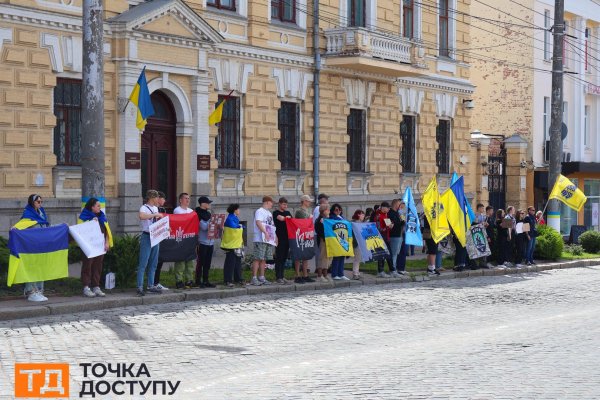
590	241
549	243
122	259
574	249
75	253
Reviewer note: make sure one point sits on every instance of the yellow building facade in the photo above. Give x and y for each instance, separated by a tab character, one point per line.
392	95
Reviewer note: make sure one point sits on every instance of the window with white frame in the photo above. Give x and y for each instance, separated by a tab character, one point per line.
357	13
356	148
587	49
444	28
283	10
586	126
547	36
222	4
408	135
408	18
288	118
443	153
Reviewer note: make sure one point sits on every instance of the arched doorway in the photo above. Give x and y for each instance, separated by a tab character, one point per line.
159	163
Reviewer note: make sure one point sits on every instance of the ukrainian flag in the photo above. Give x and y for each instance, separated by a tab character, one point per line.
232	238
338	237
38	254
140	96
454	201
467	204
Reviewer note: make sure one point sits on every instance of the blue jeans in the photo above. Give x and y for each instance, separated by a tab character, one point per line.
148	258
395	246
530	250
337	266
30	286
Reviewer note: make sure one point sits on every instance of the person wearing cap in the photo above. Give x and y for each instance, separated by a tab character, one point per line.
205	245
303	213
162	199
283	247
148	257
263	251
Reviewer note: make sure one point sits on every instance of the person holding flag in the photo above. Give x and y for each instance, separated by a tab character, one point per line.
34	216
413	235
91	268
140	96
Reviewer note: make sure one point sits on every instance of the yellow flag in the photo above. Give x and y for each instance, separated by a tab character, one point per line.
565	191
215	116
434	212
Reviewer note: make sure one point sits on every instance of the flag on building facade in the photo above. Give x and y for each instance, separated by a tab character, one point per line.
301	237
216	116
413	226
140	96
565	191
38	254
434	212
181	243
338	237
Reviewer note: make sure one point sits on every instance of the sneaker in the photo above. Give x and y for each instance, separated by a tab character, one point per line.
533	263
36	296
344	278
337	278
308	279
490	265
140	292
98	292
87	292
528	264
395	274
161	287
280	282
188	285
229	285
209	285
381	275
519	266
255	282
154	289
179	285
508	265
356	277
323	279
458	269
299	280
264	281
402	272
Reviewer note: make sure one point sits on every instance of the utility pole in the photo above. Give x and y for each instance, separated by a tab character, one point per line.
556	145
92	102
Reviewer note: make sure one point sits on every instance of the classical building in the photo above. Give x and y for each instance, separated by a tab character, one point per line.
393	101
512	72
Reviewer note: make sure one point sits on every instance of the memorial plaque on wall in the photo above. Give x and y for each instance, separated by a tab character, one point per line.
203	162
133	161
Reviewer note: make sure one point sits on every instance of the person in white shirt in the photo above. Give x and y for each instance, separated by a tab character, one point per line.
148	258
263	250
184	270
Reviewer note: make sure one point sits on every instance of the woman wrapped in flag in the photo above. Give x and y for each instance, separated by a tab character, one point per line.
34	216
233	244
91	268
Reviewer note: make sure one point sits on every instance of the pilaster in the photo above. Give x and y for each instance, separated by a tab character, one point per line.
516	174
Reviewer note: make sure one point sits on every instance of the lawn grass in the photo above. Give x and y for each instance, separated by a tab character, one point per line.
570	256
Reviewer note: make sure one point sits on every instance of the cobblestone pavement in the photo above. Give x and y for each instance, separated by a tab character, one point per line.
528	336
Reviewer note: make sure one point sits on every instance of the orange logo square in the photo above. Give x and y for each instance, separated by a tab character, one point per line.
42	380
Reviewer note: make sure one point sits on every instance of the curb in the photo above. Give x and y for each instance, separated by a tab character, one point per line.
209	294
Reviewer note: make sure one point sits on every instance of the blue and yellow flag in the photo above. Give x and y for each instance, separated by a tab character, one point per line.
565	191
38	254
413	226
216	116
435	212
455	207
338	238
469	209
140	96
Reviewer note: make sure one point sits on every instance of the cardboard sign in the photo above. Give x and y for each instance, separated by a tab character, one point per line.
159	231
271	235
215	226
89	237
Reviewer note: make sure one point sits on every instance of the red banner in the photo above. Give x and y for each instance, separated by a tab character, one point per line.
301	236
181	244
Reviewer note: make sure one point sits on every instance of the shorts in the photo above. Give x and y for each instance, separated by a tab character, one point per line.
432	246
263	251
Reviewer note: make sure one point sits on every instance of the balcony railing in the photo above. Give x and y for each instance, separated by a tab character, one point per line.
363	42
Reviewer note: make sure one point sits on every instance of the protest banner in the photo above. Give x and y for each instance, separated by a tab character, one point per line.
159	231
338	238
477	244
370	242
215	226
271	237
89	237
301	237
182	240
446	245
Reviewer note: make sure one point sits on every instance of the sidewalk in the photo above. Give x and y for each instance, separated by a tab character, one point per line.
20	308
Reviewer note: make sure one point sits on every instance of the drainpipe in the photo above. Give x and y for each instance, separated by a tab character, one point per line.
316	105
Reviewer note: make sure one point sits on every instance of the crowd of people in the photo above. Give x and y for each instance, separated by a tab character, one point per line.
514	246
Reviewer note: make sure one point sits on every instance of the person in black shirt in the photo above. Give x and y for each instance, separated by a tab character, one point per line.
283	248
490	231
531	220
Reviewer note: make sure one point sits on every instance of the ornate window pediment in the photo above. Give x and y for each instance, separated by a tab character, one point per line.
166	19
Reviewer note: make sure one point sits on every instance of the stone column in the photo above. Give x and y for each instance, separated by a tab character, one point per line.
516	176
201	139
